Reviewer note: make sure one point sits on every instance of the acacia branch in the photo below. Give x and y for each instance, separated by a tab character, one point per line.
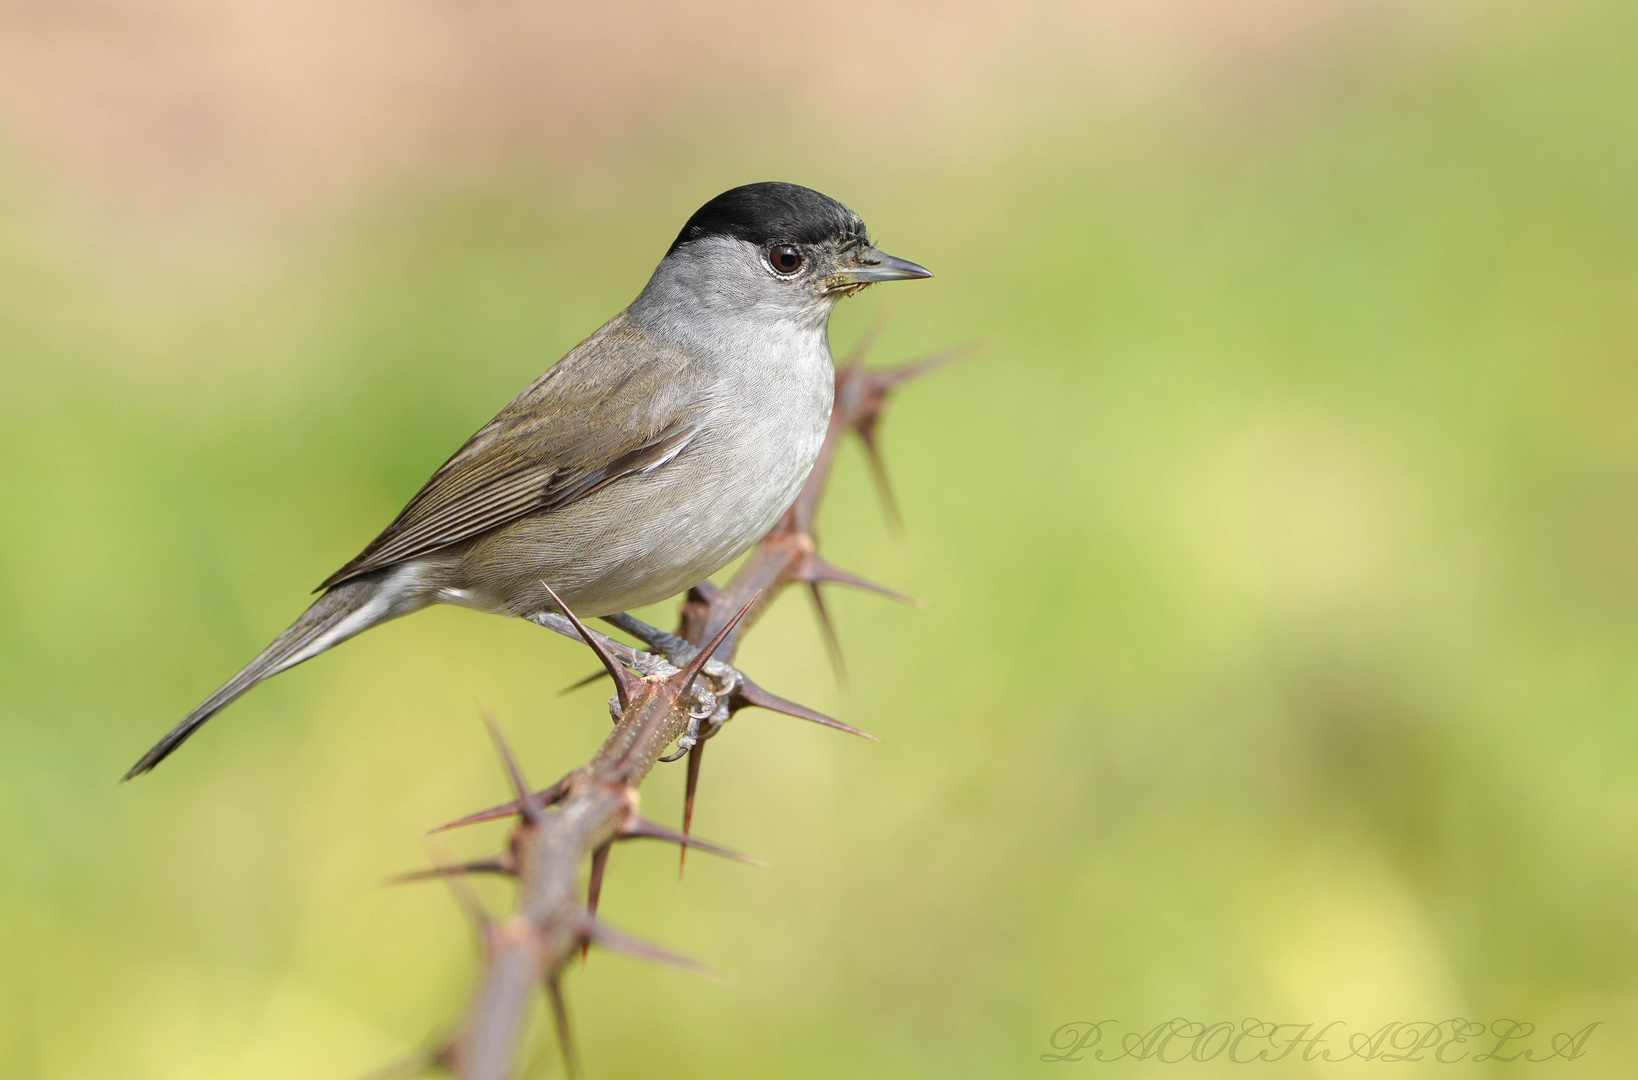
682	691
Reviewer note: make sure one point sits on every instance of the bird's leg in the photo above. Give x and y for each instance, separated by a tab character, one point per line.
641	662
678	650
636	659
671	646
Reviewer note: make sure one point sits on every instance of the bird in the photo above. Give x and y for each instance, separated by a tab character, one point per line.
650	456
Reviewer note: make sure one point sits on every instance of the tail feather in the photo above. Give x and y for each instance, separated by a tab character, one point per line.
333	618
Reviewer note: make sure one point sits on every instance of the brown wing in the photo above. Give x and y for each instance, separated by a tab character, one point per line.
616	405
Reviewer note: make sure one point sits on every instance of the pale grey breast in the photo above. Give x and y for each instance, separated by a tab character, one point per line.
758	401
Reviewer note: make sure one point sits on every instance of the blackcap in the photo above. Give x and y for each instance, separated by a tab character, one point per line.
656	451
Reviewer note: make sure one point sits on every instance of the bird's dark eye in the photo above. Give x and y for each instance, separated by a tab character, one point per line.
785	259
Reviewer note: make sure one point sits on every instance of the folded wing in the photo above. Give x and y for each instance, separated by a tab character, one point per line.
616	406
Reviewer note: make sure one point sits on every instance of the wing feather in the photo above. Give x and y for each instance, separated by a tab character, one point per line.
615	406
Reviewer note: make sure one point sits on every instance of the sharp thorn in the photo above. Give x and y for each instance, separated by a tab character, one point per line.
685	677
696	755
594	886
894	376
544	797
560	1019
587	681
610	938
464	896
594	890
861	347
815	569
482	866
749	693
828	631
526	804
640	826
878	469
625	683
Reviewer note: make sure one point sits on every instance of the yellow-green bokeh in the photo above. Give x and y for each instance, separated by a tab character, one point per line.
1281	547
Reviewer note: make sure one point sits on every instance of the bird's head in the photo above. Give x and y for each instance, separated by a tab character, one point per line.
776	249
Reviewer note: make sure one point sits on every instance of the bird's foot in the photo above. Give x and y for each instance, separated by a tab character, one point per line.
709	710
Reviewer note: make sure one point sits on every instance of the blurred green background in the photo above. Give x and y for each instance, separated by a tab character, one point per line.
1280	543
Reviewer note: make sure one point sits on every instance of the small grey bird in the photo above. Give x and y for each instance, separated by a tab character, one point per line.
645	460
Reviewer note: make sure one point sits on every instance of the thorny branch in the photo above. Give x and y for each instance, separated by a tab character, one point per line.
679	692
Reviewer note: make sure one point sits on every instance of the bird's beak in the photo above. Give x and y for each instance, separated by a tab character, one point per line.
871	265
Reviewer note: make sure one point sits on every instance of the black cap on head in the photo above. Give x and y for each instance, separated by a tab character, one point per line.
770	212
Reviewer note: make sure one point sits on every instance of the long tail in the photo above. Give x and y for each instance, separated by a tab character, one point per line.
345	610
